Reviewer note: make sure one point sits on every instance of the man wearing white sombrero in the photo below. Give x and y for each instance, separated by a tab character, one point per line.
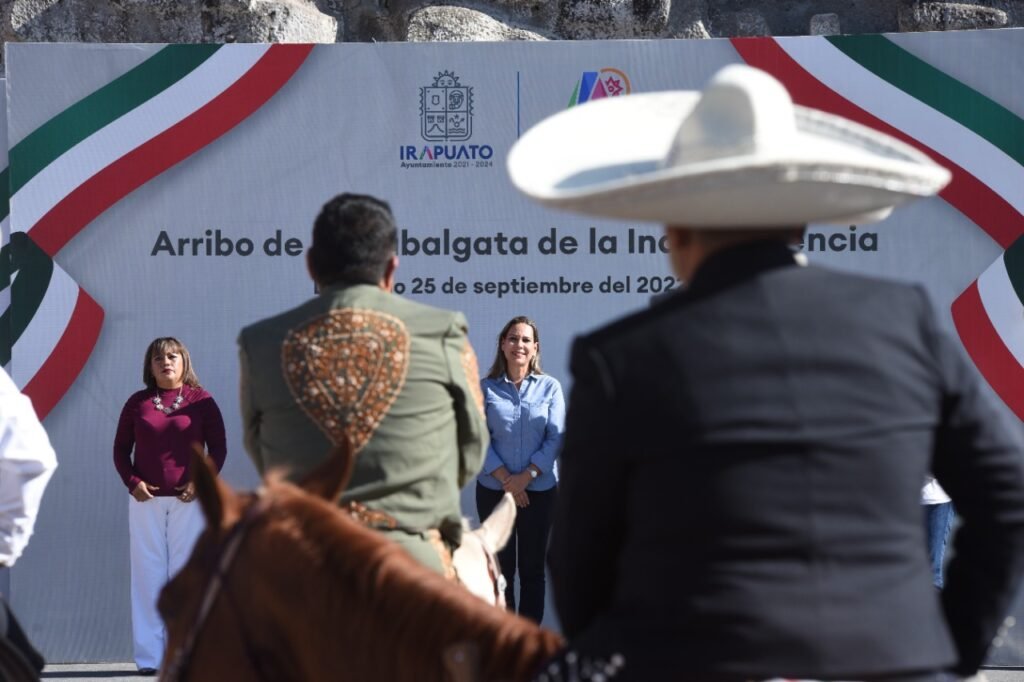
743	461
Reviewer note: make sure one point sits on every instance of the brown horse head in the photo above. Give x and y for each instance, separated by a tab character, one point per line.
283	585
222	507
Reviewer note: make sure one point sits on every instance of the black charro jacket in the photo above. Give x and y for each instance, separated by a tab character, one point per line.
741	476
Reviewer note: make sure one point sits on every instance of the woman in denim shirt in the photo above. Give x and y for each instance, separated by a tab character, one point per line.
525	418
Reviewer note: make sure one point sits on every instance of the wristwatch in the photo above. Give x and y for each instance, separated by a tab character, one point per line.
533	473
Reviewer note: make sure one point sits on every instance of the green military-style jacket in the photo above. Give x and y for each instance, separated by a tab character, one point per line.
399	378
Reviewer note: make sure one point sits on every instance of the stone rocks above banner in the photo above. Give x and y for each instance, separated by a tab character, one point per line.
328	21
595	19
459	24
170	21
950	16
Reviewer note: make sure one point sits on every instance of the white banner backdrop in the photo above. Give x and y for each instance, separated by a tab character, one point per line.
170	190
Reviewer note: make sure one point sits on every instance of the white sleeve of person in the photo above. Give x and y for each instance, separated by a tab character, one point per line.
27	461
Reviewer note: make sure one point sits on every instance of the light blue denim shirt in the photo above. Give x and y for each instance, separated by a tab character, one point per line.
526	427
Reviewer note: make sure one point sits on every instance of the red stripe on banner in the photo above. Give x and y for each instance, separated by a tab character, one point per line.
175	144
969	195
68	357
986	348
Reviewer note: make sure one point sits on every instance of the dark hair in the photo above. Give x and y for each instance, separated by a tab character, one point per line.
162	345
354	237
500	367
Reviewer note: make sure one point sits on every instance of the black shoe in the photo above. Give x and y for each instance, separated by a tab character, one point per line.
148	672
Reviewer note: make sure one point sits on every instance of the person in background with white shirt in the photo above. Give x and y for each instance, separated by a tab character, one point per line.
27	461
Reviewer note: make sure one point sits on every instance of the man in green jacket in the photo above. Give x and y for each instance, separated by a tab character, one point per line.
398	378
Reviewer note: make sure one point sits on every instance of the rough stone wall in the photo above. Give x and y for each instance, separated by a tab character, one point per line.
325	21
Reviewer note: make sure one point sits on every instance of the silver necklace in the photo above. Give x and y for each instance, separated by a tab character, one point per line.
160	404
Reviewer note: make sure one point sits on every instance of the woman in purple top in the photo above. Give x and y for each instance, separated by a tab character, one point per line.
159	426
525	418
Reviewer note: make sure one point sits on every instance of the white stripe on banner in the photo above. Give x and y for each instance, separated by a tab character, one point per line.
46	327
973	153
1003	307
149	119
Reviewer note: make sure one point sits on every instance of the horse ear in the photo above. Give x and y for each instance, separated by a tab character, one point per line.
215	496
497	528
331	478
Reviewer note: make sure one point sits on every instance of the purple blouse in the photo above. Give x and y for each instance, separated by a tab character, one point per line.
162	443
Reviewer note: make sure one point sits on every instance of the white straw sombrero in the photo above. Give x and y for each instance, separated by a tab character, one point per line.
738	154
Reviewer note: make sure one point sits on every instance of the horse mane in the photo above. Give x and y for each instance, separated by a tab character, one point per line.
390	616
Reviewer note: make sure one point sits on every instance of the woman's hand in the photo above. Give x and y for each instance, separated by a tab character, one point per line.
144	491
187	492
517	483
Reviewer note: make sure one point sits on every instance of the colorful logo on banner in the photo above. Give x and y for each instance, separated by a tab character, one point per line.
446	116
607	82
446	110
873	81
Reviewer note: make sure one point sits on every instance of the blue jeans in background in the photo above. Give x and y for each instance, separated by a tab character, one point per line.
938	519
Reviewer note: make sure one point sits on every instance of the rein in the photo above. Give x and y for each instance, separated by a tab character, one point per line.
218	582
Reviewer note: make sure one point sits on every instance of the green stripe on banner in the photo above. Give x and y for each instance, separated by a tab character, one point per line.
62	132
5	318
1013	259
35	269
938	90
5	194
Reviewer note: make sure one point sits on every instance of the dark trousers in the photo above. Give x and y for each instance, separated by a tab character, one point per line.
526	551
18	651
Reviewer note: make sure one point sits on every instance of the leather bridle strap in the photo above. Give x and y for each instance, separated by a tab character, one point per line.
228	552
494	573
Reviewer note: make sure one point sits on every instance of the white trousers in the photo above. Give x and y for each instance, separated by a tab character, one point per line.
162	532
